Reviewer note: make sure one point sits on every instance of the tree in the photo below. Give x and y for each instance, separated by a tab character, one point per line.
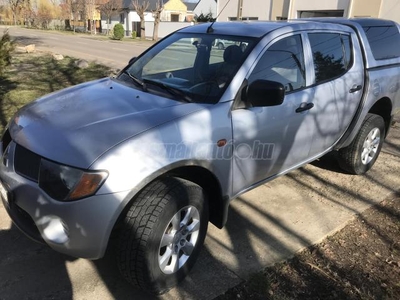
204	18
140	10
45	13
17	6
90	10
6	48
68	8
109	9
157	16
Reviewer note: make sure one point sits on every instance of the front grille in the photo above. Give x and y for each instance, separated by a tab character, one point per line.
26	163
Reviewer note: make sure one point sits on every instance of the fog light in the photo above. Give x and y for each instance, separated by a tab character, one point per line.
54	229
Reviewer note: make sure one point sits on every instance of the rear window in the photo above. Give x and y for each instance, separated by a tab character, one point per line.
384	41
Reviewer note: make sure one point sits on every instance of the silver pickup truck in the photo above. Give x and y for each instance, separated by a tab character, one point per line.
145	160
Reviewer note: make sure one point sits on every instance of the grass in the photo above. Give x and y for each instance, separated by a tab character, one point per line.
33	75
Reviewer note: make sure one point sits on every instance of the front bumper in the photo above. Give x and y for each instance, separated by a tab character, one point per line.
78	228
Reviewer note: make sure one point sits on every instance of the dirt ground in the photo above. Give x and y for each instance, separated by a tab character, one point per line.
361	261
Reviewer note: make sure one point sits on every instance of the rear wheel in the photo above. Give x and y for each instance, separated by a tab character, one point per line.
162	234
361	154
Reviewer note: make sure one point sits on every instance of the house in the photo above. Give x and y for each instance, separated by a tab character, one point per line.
129	18
174	11
190	11
293	9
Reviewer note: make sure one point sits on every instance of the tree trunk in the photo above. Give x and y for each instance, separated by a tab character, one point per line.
155	30
142	29
108	25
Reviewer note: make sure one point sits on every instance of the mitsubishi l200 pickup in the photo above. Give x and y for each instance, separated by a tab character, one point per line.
152	155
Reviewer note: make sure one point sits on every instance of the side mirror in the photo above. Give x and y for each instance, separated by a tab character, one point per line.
265	93
132	60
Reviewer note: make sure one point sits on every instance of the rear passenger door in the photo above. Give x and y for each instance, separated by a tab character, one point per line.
338	83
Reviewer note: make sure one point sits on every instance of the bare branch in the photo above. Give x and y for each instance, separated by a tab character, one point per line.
140	10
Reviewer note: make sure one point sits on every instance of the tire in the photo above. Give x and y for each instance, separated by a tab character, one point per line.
220	46
361	154
166	221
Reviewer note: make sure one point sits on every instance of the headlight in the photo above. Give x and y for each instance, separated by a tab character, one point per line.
66	183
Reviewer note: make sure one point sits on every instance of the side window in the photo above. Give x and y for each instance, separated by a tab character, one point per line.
283	62
384	41
331	53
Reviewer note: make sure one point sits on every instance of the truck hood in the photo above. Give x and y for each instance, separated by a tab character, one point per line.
77	125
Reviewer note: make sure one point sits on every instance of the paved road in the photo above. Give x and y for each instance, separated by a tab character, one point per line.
115	54
265	226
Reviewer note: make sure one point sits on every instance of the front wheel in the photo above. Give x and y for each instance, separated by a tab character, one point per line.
162	234
361	154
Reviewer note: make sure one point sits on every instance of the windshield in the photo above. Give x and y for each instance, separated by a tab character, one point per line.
189	67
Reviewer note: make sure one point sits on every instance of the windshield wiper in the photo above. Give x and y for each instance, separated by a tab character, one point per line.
135	80
172	90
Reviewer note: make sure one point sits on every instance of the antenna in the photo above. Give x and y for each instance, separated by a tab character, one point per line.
210	29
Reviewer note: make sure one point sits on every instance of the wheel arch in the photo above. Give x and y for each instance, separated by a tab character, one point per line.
218	204
208	181
383	108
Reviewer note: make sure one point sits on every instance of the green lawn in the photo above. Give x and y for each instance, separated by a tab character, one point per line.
33	75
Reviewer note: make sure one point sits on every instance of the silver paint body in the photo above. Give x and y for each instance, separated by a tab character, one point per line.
125	131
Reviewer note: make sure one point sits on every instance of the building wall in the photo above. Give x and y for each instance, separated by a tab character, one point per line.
296	6
165	28
390	9
361	8
271	9
254	8
279	9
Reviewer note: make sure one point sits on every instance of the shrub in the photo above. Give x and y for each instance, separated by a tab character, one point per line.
7	46
134	34
204	18
118	32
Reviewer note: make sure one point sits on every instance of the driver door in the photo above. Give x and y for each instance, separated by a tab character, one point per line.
273	139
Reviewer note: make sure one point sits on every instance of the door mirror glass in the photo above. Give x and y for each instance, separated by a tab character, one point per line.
265	93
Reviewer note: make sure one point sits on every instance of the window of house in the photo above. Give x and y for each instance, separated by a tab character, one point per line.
122	18
283	62
320	13
331	53
243	18
384	41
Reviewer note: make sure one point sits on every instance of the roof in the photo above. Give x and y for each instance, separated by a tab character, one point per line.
258	29
190	5
128	4
251	29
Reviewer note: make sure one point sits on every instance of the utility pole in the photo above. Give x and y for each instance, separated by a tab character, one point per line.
239	10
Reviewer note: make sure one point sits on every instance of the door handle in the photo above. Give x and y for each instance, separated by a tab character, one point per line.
355	88
304	106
